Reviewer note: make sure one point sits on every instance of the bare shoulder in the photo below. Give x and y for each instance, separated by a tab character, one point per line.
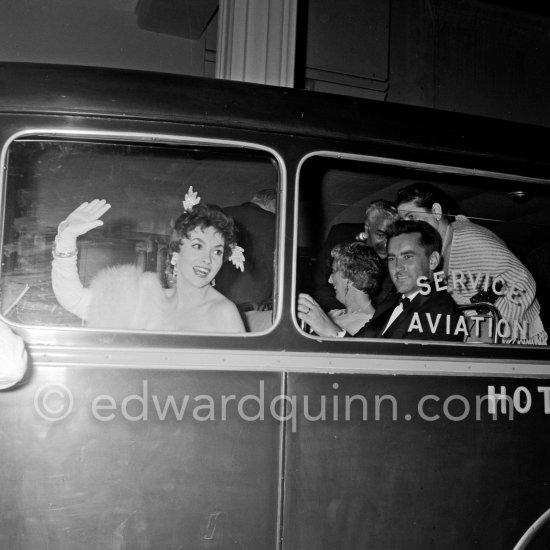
225	314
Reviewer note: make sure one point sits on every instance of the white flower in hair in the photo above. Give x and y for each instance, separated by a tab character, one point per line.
191	199
237	257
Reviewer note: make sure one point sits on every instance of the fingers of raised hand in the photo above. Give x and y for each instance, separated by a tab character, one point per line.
93	210
89	211
98	205
84	218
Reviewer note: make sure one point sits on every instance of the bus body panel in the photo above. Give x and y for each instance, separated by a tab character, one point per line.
135	439
107	457
380	462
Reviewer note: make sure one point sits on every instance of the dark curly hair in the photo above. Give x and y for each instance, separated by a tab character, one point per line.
359	263
425	195
204	216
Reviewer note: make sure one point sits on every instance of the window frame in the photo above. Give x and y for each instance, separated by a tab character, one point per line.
432	168
104	137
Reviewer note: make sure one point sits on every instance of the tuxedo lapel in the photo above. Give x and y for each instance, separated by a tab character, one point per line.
381	316
400	327
430	308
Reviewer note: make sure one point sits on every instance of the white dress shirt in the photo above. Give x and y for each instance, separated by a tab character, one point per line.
399	308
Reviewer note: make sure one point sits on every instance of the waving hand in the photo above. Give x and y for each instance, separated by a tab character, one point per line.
84	218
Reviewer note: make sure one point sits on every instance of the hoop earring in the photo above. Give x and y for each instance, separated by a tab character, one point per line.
213	282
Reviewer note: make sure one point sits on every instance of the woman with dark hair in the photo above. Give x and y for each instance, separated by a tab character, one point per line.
124	297
357	273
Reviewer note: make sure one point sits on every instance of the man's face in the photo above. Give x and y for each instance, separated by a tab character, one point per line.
407	261
376	228
411	211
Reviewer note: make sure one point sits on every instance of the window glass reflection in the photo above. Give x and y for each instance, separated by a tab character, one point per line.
145	187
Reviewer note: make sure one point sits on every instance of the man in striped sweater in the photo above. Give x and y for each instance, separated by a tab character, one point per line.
478	264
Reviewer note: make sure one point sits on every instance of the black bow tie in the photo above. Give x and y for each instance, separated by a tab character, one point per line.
405	302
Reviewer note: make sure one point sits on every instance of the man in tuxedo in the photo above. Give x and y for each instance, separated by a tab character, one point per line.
378	217
416	310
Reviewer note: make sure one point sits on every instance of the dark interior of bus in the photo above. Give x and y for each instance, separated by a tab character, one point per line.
334	191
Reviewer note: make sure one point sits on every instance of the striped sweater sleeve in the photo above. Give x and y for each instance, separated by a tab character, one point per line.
478	256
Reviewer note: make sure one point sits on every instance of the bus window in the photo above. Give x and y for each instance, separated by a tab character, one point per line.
493	252
145	183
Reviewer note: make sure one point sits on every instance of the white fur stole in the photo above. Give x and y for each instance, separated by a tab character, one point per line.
125	297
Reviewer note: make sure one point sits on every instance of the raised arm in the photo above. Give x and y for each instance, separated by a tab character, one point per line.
65	280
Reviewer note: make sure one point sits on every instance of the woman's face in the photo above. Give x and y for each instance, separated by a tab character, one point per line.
339	282
200	256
